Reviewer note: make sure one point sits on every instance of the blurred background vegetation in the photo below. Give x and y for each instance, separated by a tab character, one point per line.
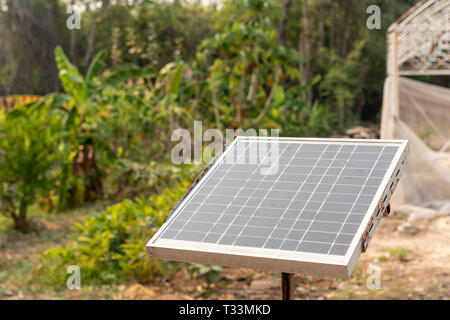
101	102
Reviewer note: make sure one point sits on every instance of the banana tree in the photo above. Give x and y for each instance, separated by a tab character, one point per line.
85	103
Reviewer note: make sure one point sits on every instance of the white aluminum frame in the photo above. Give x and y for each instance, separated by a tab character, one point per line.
277	259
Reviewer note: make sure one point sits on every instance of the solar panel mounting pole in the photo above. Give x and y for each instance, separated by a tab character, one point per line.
287	286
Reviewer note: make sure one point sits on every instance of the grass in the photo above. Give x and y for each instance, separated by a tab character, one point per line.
400	253
38	216
346	294
400	215
15	277
19	252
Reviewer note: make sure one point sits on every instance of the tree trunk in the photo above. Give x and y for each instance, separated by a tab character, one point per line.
216	108
305	48
269	98
321	24
21	225
282	25
73	45
332	23
253	85
344	24
20	220
85	164
90	35
241	99
63	188
359	106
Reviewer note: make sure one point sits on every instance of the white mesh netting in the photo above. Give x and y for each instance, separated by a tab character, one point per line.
422	117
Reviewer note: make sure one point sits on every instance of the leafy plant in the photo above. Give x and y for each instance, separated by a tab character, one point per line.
247	69
210	273
400	253
110	246
29	150
87	101
341	83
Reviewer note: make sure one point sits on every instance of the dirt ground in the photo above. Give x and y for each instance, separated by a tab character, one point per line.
413	262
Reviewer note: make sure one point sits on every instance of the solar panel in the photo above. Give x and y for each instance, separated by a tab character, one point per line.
285	204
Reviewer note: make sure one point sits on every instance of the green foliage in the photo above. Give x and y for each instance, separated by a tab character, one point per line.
246	69
400	253
209	272
72	81
154	32
29	150
110	246
401	215
342	81
92	103
316	121
297	118
123	73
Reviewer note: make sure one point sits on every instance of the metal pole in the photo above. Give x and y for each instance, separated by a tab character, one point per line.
287	286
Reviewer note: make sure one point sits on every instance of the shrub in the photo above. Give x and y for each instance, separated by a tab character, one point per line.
110	245
29	150
210	273
400	253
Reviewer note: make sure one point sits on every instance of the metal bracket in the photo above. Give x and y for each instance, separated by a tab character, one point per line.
387	212
383	208
374	220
